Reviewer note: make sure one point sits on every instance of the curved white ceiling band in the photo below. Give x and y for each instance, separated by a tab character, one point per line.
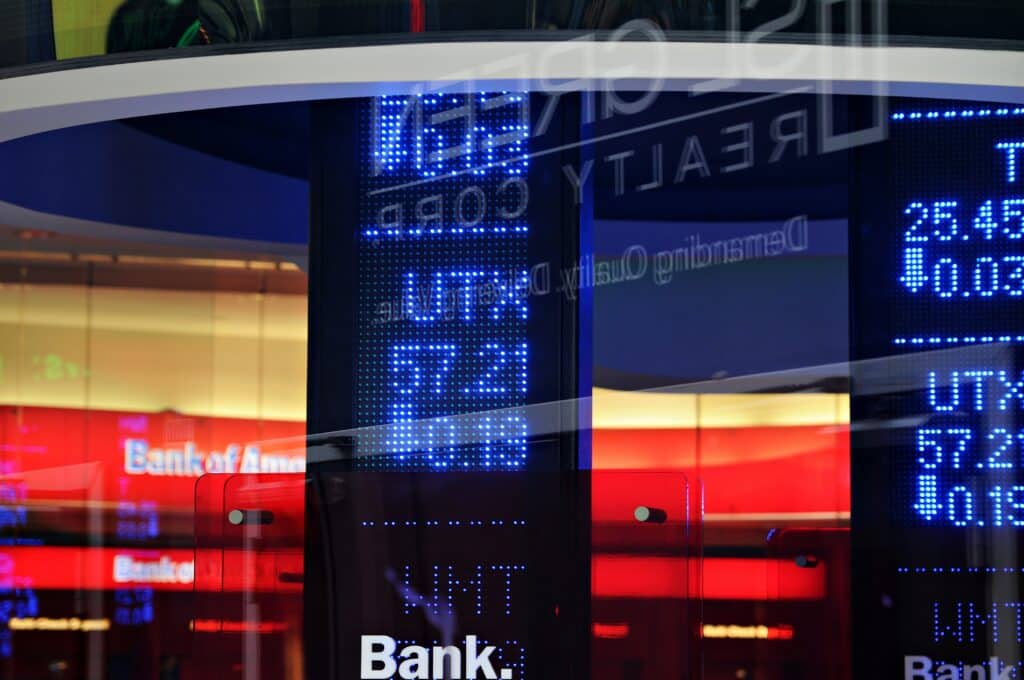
75	96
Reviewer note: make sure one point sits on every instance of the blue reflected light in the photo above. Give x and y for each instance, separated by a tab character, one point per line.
16	601
133	606
136	521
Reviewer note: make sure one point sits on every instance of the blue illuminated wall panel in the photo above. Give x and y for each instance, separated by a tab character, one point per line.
938	391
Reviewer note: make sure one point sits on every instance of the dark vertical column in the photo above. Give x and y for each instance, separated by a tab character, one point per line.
440	226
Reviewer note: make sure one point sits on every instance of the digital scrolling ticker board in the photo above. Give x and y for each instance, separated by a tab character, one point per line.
451	513
444	281
938	393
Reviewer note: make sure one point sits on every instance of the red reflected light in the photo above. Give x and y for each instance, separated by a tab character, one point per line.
611	631
228	626
800	469
780	632
627	577
67	568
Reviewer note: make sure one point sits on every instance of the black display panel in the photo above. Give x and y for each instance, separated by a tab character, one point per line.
937	390
444	281
439	222
428	559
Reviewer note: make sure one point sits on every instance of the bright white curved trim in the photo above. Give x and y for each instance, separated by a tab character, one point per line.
47	101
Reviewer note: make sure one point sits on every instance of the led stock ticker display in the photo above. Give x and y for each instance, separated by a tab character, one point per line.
937	393
444	281
427	345
960	283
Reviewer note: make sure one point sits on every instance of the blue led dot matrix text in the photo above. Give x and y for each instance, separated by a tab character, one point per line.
958	261
489	134
939	267
966	475
982	389
448	165
437	523
452	586
941	255
938	340
955	113
970	621
15	601
443	278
